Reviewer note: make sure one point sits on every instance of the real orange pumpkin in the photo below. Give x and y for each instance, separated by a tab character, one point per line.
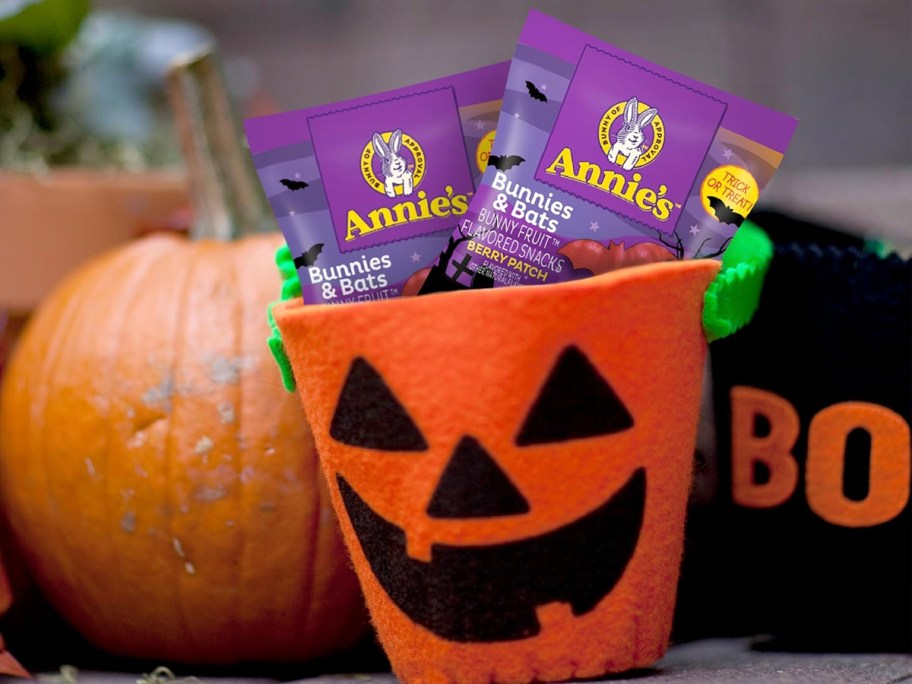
160	481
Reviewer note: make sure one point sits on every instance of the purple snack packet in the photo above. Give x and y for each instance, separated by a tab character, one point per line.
366	191
602	159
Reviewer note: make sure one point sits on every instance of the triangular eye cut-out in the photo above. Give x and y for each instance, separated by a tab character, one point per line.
474	486
369	415
575	402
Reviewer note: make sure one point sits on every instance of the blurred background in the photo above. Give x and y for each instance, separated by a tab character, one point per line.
843	67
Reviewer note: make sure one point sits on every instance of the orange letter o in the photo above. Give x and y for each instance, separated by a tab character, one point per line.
891	464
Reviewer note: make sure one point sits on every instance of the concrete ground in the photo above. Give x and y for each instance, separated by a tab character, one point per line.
712	661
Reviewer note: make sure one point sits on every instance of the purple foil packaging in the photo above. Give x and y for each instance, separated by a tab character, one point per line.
602	158
367	191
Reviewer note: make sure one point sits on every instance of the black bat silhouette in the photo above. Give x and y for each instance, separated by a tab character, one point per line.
308	258
505	163
293	184
724	213
535	93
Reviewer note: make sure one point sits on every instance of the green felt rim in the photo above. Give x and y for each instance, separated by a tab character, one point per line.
733	296
291	288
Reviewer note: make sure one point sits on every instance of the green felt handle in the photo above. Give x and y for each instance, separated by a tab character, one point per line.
732	298
291	287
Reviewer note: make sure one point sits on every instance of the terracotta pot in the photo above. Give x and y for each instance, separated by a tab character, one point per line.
53	222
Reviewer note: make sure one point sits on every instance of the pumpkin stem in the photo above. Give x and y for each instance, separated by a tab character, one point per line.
228	200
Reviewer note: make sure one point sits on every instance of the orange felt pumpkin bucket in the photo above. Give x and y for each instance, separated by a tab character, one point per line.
511	466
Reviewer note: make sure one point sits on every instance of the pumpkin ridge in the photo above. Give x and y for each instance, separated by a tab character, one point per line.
241	598
245	602
237	271
239	268
71	312
34	329
47	367
179	246
180	344
134	279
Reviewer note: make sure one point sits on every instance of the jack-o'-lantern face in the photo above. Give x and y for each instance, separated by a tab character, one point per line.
577	563
510	467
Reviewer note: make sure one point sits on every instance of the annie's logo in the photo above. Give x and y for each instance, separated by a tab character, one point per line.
629	139
393	169
394	164
400	175
631	134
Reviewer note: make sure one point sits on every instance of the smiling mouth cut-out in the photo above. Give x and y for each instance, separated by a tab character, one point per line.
491	593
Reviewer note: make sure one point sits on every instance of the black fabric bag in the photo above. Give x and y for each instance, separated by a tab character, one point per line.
810	542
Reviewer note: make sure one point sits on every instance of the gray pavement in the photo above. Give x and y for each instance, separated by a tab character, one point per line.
711	661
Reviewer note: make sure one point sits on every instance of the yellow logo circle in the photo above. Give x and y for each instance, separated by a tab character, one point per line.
371	171
483	151
607	136
728	193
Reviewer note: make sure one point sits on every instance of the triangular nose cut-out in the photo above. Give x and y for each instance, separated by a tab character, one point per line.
474	486
575	402
369	415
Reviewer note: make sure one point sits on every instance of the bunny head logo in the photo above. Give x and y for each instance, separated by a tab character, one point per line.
373	162
610	144
393	163
631	134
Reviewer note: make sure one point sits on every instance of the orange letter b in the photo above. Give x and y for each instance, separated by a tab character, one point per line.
773	450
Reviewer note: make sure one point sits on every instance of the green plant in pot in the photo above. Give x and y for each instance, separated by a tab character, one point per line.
88	155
